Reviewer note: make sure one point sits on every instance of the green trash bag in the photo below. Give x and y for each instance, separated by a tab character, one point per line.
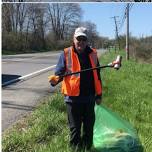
113	134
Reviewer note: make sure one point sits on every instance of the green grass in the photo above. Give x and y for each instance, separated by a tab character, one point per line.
127	92
45	129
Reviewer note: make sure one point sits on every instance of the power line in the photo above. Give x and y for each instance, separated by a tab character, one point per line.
127	31
124	15
116	30
130	6
123	19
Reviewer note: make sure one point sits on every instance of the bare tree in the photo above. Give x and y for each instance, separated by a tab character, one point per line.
92	32
6	18
10	19
64	18
28	25
37	23
14	16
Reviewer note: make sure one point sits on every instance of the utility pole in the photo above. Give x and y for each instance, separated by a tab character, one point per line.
116	31
127	32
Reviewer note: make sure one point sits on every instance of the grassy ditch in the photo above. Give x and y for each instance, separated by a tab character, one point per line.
127	92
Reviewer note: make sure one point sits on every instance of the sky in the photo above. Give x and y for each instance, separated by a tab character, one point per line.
140	18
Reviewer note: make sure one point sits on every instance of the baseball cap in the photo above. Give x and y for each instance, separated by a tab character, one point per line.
80	31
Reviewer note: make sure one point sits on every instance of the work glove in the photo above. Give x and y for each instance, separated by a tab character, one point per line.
54	80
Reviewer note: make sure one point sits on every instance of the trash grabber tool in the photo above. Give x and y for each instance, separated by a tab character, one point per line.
115	64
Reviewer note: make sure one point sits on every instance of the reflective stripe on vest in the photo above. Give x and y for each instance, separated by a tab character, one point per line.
97	82
68	60
71	84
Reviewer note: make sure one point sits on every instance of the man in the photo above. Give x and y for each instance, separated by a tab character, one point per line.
81	90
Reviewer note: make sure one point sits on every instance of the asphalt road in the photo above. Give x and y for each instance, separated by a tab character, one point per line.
20	98
20	65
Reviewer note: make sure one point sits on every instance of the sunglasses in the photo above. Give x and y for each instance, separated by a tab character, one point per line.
81	38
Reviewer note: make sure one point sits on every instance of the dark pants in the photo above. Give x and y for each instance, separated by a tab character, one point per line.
81	114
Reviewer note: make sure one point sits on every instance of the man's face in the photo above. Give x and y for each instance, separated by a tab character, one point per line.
80	43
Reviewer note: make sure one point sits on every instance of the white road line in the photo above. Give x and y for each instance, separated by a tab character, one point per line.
34	57
29	75
28	58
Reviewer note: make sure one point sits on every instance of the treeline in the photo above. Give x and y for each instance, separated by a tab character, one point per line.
30	27
37	27
140	48
33	27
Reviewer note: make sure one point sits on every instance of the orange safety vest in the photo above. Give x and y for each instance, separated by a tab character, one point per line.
71	84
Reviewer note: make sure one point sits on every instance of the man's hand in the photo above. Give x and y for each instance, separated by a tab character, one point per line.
53	79
98	101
